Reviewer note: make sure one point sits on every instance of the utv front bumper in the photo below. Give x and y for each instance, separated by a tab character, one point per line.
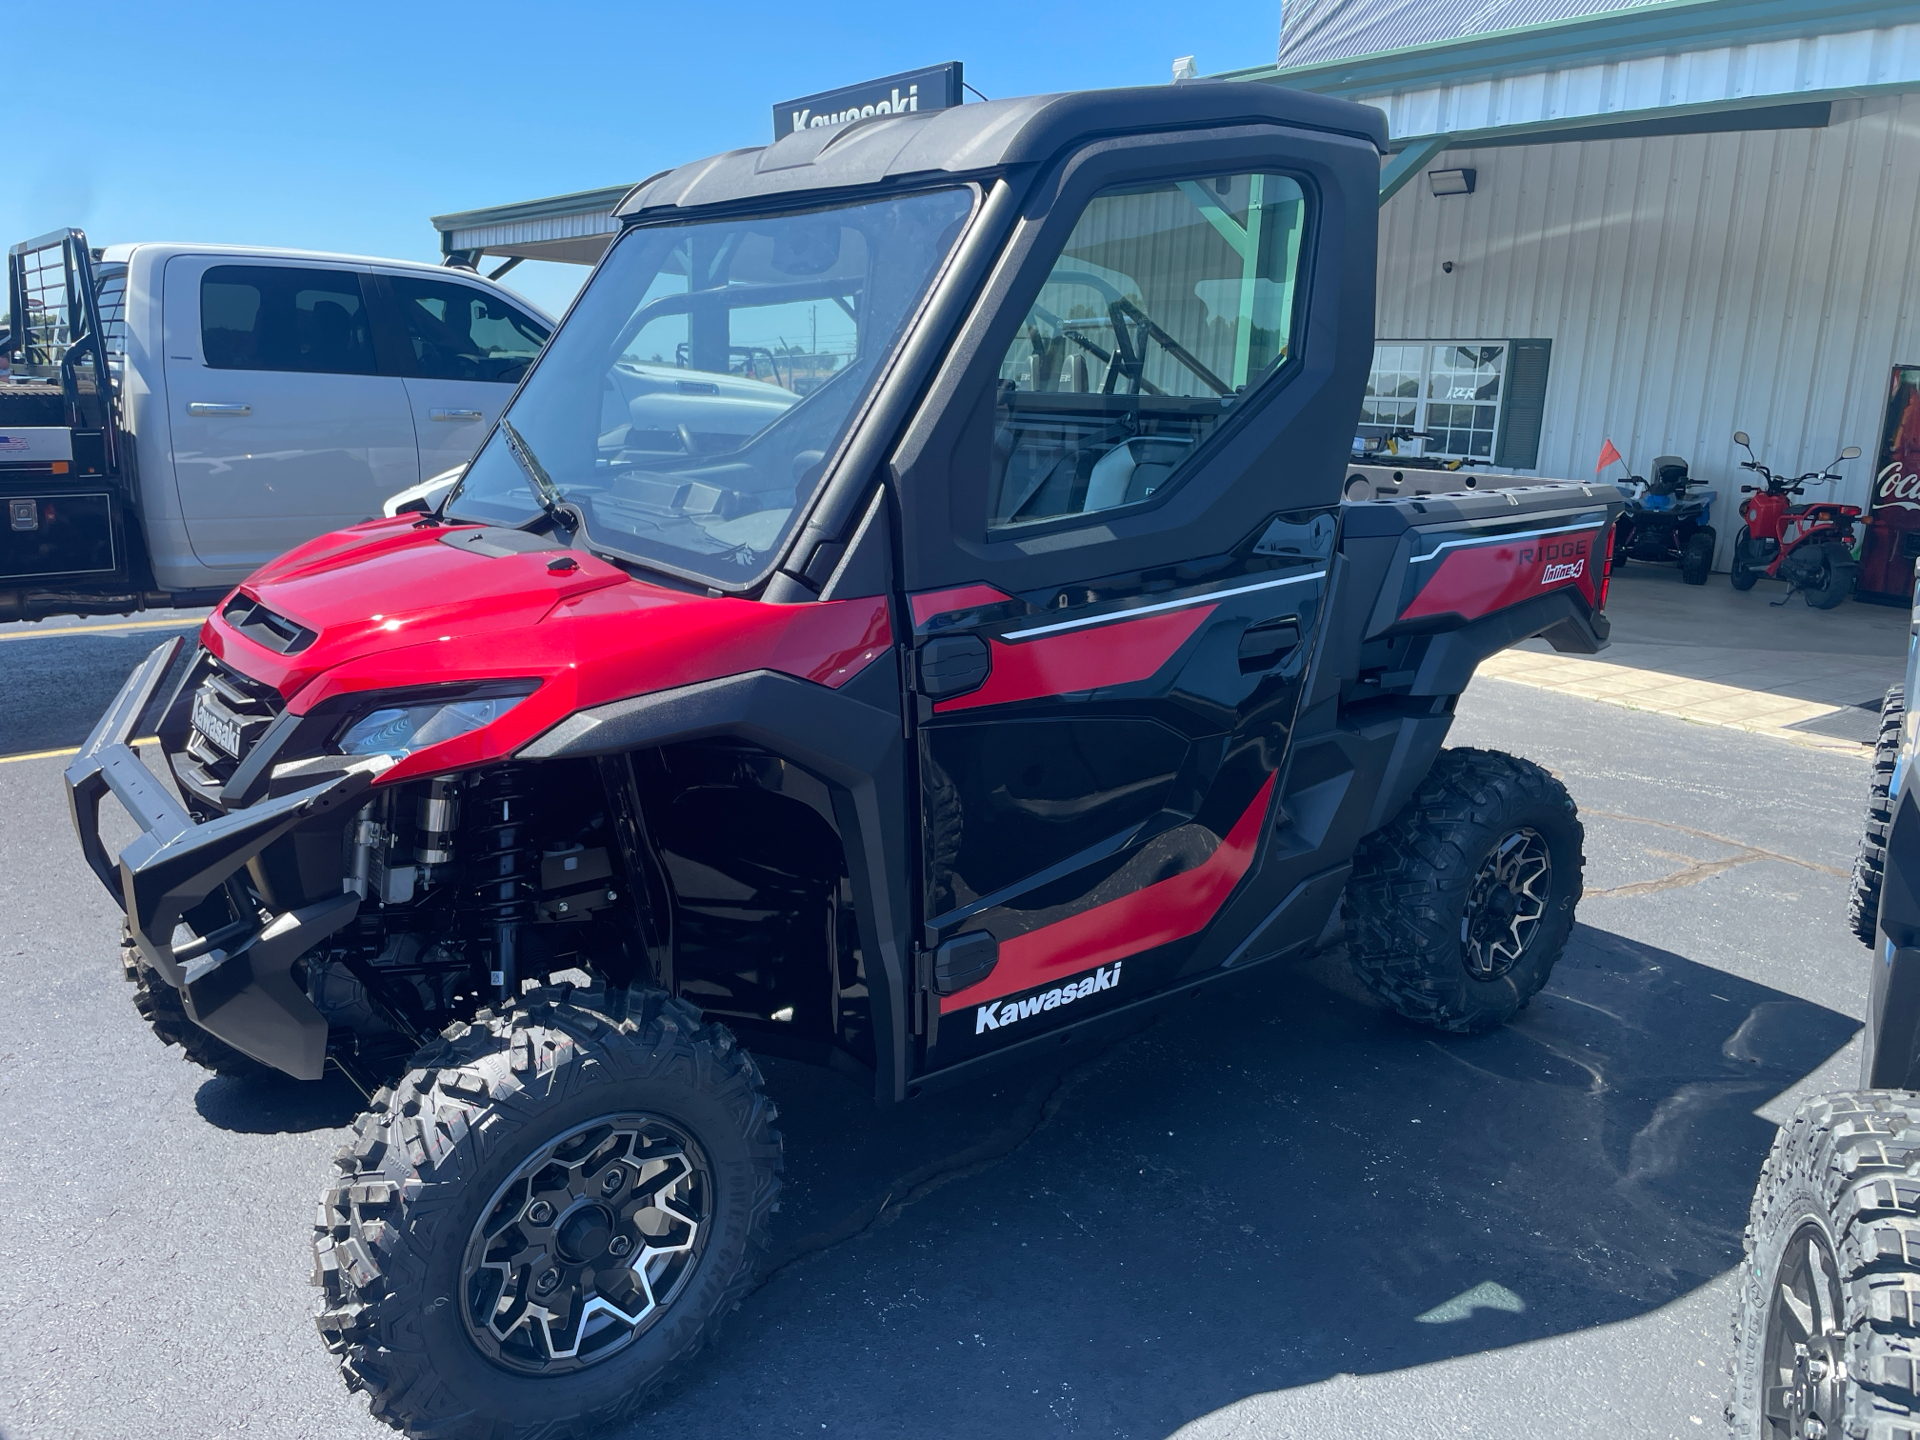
235	981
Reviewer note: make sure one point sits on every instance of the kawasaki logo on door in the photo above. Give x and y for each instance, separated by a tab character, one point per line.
1002	1013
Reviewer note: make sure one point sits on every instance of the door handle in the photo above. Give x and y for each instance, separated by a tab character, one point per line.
954	665
458	416
202	407
1265	645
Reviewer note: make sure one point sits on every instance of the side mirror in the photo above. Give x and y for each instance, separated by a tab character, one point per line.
1740	438
1852	452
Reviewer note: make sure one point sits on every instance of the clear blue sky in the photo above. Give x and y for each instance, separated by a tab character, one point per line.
344	126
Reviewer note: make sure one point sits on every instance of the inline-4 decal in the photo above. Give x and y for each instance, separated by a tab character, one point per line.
1477	576
998	1014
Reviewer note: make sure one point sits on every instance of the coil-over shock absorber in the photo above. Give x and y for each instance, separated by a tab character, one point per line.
500	865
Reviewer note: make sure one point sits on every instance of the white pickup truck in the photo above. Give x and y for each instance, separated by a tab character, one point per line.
178	415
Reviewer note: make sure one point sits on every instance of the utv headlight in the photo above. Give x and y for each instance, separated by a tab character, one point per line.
401	729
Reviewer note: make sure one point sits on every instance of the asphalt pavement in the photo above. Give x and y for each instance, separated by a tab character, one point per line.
1279	1212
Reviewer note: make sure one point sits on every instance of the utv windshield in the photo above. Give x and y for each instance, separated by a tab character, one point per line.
689	404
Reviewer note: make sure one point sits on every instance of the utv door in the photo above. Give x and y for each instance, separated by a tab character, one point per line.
1118	514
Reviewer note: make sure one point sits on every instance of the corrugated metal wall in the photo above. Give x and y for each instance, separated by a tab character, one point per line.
1691	285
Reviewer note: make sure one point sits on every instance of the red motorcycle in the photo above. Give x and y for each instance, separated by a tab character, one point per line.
1811	547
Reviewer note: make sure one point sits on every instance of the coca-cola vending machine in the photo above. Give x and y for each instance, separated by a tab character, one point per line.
1892	541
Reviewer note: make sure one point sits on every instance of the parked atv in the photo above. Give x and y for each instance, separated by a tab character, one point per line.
1827	1323
1667	520
1016	672
1811	547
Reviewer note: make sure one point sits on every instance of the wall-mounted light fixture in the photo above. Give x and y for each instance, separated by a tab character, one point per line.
1450	182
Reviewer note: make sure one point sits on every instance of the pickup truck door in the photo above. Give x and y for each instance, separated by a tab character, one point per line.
282	429
1116	534
462	348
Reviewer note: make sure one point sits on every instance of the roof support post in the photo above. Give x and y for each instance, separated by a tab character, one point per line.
1403	166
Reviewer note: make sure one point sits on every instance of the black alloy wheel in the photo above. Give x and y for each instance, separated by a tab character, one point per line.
1461	905
1805	1351
586	1244
547	1216
1506	904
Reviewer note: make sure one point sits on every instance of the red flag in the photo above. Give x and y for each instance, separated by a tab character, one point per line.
1608	456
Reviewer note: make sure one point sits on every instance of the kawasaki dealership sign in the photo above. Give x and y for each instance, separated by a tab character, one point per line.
935	88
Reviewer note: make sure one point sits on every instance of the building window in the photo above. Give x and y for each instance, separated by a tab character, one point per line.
1450	391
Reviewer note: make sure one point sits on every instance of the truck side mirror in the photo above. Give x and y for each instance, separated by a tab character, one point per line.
1740	438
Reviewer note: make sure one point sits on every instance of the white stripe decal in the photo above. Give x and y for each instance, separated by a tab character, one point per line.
1163	605
1510	535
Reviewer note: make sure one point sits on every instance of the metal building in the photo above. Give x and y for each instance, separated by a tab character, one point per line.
1685	217
1650	221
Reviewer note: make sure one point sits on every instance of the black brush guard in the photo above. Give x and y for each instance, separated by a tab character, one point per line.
237	982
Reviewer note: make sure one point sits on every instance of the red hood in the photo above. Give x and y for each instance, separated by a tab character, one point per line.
392	606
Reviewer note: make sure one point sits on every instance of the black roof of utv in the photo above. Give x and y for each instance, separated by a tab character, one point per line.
994	135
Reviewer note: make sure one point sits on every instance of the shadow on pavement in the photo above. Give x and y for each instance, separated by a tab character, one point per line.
1259	1192
278	1104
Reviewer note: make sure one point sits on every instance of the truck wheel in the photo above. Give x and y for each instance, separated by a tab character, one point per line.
1833	582
1825	1334
160	1006
1696	561
1740	574
1863	905
550	1212
1459	908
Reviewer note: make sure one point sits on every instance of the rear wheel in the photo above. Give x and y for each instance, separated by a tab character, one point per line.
1696	561
550	1212
160	1006
1869	865
1460	907
1825	1339
1833	580
1740	574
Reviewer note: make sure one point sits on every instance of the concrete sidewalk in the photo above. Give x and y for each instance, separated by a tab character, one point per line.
1714	656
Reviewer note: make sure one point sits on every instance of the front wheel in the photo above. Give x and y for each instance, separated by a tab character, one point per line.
1459	908
1740	574
165	1012
1696	561
550	1212
1833	577
1825	1333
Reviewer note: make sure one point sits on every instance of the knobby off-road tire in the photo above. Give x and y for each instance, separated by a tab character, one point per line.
625	1104
1696	561
1826	1326
1863	904
1423	909
160	1006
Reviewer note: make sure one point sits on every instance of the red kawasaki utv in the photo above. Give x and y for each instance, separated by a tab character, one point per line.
905	620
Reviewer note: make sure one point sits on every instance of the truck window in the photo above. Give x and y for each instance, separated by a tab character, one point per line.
1169	302
110	291
285	317
456	332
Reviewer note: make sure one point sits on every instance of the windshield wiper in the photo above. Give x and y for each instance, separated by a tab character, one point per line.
544	490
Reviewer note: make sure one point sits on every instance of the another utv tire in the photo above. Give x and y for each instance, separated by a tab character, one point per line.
1827	1323
1459	907
1696	561
160	1006
550	1212
1838	571
1870	863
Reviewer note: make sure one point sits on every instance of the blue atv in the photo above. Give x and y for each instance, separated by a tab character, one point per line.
1668	518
